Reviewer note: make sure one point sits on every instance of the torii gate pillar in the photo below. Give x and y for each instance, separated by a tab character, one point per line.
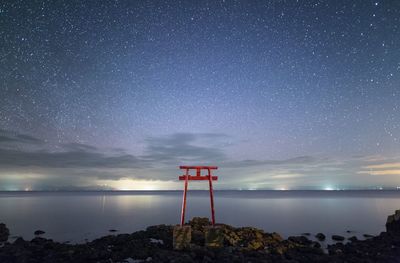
198	177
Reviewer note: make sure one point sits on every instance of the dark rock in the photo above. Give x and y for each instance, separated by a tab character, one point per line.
4	232
320	236
39	232
245	244
198	223
112	230
337	238
300	240
393	223
368	236
19	242
353	239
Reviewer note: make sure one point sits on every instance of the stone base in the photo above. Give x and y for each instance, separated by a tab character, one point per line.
182	236
214	236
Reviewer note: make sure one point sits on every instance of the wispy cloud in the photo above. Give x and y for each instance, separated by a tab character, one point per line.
29	159
384	166
392	168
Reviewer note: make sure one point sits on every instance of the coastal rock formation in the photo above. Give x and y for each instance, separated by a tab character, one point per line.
393	223
4	232
245	244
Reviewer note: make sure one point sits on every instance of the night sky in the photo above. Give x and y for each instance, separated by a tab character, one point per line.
278	94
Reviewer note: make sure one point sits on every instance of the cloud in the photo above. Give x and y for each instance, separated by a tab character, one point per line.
383	166
381	172
250	163
12	137
16	153
392	168
180	148
23	158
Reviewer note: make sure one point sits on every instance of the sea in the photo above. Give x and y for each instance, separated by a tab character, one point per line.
78	217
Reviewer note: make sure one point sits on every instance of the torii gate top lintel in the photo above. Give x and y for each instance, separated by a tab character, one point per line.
198	177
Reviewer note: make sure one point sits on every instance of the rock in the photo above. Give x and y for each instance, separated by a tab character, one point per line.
300	240
214	236
337	238
182	236
368	236
131	260
198	223
198	237
112	230
20	242
250	238
353	238
156	241
246	244
161	232
320	236
39	232
393	223
4	232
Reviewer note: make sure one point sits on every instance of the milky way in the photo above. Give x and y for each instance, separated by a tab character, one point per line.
291	94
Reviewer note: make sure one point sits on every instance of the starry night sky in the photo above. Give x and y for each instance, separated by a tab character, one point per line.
278	94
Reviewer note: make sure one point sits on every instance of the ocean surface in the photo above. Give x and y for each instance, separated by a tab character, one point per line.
80	216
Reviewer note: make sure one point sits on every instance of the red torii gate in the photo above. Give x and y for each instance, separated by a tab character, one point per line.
198	177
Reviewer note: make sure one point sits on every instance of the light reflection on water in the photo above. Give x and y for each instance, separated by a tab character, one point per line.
76	216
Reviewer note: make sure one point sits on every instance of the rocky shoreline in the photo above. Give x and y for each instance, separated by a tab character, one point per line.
245	244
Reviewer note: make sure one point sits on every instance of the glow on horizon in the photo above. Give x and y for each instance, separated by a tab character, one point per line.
127	184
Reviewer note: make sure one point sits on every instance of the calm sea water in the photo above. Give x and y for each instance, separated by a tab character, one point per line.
77	216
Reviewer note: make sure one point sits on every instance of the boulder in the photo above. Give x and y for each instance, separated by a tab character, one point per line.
182	236
337	238
39	232
300	240
214	236
393	223
368	236
320	236
4	232
353	239
199	223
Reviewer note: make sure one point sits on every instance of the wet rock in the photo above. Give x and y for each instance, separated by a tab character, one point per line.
198	223
182	236
4	232
300	240
320	236
250	238
337	238
393	223
39	232
368	236
214	237
244	244
353	239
